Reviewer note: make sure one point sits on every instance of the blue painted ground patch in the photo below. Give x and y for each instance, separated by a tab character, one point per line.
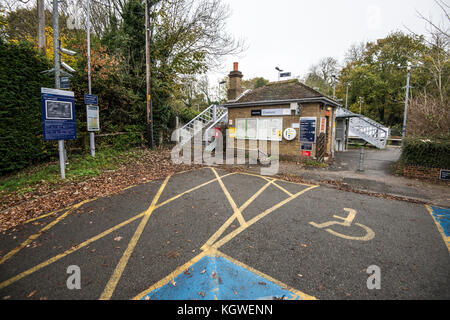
442	216
218	278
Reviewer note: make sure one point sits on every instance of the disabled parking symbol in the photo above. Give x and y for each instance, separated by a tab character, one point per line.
347	222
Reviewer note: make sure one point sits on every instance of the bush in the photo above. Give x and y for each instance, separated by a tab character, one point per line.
21	142
427	153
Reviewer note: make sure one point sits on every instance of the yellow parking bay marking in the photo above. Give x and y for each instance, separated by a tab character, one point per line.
47	214
36	235
211	247
67	252
234	233
190	190
227	223
236	210
112	283
93	239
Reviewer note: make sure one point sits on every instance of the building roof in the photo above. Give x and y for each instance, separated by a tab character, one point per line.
281	92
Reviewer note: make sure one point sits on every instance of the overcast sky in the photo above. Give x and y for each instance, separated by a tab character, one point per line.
293	34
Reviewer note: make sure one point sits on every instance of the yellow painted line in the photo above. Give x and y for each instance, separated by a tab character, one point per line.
172	275
67	252
276	179
37	235
282	189
227	223
234	233
47	214
302	295
112	283
236	210
439	227
190	190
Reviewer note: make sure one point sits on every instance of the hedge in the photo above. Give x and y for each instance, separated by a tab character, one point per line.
21	142
426	153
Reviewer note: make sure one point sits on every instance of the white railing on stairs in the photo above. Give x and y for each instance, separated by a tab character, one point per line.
366	128
210	117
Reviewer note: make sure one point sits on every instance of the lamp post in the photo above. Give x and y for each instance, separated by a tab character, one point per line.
408	77
279	71
346	95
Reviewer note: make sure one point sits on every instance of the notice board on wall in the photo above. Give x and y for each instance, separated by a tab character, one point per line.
270	129
308	129
260	129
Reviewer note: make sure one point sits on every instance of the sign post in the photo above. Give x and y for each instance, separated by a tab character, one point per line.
58	119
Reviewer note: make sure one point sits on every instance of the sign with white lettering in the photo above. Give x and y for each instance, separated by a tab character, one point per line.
308	129
58	114
275	112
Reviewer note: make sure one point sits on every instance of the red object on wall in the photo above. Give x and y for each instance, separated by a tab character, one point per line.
306	153
217	132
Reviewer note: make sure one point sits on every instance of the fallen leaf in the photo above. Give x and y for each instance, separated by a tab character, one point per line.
118	238
203	271
32	293
173	283
214	274
262	283
300	275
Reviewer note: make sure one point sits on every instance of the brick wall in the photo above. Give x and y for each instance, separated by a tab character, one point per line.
432	174
288	149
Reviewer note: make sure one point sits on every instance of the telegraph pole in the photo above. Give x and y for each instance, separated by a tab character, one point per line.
408	77
41	25
360	104
57	63
91	133
148	71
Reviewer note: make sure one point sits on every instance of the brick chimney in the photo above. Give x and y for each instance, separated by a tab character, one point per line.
235	89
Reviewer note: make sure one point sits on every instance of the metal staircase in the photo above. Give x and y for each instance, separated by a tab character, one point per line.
366	128
204	124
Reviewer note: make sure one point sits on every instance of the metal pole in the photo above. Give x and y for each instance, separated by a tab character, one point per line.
361	159
56	61
346	96
360	104
91	134
406	103
148	70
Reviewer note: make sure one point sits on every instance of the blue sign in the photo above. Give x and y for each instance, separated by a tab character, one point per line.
91	99
215	277
64	82
308	129
58	114
285	74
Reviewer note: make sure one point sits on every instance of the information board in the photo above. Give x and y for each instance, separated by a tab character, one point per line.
90	99
307	129
445	175
93	122
58	114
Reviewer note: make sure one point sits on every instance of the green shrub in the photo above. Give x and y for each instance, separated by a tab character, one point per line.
21	142
426	153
